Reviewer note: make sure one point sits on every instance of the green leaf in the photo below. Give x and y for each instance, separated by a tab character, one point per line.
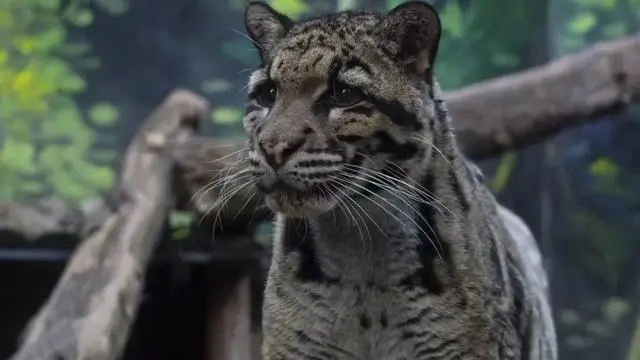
504	170
81	17
292	8
181	233
226	115
583	23
606	173
452	19
180	218
101	177
72	83
103	114
17	155
66	123
68	187
604	167
52	39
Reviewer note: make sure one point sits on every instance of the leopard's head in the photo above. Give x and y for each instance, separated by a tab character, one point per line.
340	105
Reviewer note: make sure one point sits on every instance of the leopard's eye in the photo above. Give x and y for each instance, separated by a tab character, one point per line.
266	93
343	95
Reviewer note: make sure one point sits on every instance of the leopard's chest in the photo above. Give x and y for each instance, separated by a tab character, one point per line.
360	321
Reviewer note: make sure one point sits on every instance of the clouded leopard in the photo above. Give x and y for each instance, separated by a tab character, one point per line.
388	245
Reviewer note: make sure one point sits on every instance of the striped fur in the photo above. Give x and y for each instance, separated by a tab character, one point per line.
388	244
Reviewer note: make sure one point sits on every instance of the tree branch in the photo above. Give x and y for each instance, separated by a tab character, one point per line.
518	110
90	311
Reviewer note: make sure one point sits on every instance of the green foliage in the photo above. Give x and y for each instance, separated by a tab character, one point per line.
592	20
227	115
103	114
292	8
480	43
504	171
47	145
180	223
583	23
606	173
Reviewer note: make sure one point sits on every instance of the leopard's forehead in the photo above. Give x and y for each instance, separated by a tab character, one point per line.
311	49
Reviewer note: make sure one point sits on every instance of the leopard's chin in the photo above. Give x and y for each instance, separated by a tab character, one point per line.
299	204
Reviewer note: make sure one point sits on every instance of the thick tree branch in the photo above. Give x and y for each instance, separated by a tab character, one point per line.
91	309
518	110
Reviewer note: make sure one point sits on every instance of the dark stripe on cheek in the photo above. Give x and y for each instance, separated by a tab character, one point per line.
389	145
396	113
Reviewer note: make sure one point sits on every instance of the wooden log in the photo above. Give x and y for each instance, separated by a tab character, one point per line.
505	113
91	309
518	110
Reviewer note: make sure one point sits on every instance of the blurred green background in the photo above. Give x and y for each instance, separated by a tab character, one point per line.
77	78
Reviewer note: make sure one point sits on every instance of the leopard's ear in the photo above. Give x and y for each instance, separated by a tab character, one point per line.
265	26
412	31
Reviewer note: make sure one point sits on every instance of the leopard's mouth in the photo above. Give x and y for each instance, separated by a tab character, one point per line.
280	188
313	200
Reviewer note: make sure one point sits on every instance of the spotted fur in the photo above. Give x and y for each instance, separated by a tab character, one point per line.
388	244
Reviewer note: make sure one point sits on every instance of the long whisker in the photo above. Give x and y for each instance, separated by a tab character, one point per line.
391	183
248	38
402	174
433	146
348	198
410	218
